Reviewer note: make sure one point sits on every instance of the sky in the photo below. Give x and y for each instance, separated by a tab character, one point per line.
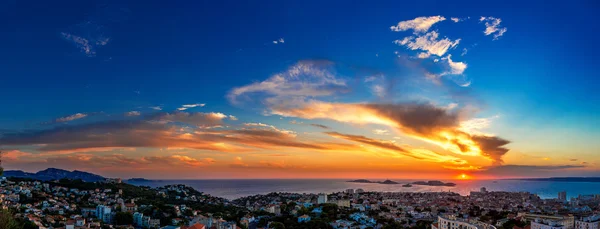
301	89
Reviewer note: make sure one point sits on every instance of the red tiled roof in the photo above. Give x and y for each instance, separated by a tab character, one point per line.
195	226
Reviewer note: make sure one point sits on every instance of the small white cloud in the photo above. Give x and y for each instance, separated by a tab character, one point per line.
279	41
423	55
456	68
87	45
233	118
492	26
419	25
158	108
455	19
71	117
381	132
429	42
464	52
132	113
188	106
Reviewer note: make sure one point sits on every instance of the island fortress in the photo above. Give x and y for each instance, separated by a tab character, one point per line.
452	222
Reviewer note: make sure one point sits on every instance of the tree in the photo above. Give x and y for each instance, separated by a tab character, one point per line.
123	218
7	221
277	225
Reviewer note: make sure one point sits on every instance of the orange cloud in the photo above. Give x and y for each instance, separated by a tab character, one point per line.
426	122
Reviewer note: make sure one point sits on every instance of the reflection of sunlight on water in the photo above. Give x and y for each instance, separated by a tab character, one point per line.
237	188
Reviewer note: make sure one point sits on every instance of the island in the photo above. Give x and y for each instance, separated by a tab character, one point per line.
138	180
373	182
407	185
434	183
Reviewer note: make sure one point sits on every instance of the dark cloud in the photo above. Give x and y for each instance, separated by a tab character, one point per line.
177	130
319	126
492	147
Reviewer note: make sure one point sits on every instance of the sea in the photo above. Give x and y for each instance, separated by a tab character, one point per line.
232	188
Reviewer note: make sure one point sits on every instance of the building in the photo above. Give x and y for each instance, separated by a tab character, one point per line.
546	224
567	221
343	203
104	213
483	190
591	222
562	196
350	191
322	198
303	218
452	222
195	226
137	219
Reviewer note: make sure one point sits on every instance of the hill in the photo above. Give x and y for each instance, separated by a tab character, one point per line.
55	174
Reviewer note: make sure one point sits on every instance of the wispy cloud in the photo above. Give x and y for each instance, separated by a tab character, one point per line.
492	27
320	126
70	117
429	42
279	41
418	25
132	113
188	106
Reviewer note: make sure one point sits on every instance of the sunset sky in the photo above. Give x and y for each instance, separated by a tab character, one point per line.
301	89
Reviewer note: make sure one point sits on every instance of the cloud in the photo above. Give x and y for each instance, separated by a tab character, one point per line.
426	122
306	78
158	108
424	55
320	126
428	42
455	19
188	106
279	41
85	45
117	161
456	68
439	126
492	27
165	130
381	132
418	25
132	113
70	117
464	52
420	154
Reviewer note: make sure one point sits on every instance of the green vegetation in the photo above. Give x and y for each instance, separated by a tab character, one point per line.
8	222
123	218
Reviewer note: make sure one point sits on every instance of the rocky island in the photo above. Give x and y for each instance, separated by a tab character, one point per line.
434	183
374	182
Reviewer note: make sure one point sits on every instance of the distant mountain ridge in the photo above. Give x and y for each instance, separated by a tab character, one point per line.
55	174
563	179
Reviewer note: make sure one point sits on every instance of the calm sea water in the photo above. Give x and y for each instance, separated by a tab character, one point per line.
232	189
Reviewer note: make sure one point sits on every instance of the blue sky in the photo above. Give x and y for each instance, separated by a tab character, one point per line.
536	83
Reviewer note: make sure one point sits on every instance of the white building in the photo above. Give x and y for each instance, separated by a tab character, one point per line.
452	222
322	198
591	222
567	221
546	224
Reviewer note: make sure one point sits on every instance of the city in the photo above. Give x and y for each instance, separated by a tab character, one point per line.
74	204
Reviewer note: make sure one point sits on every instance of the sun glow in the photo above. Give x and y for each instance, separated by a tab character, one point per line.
463	176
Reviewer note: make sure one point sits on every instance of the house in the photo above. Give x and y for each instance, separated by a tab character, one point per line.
195	226
303	218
